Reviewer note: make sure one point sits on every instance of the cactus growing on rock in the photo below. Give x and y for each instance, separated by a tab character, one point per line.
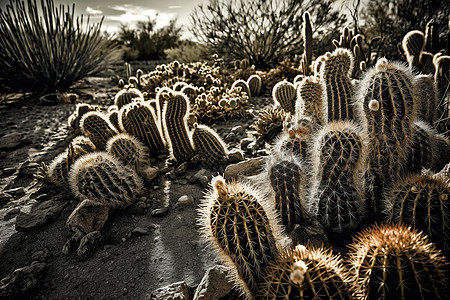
289	181
387	108
335	77
139	120
283	94
241	226
175	115
126	96
254	83
305	273
337	197
394	262
101	177
310	100
422	202
209	146
97	128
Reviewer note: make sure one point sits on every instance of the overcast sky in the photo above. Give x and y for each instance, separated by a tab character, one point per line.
120	11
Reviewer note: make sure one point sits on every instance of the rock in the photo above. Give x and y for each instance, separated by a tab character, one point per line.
16	192
21	281
160	212
40	215
28	168
87	217
175	291
231	137
11	141
9	171
150	173
202	176
140	230
235	156
88	244
214	285
248	167
11	214
41	255
5	198
185	200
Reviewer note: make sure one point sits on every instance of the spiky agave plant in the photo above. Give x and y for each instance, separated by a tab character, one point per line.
51	52
392	261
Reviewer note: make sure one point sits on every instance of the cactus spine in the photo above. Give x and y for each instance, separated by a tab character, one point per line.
97	128
175	115
283	94
394	262
126	96
101	177
254	83
337	195
209	147
305	273
288	182
335	77
242	227
309	100
422	202
139	120
387	104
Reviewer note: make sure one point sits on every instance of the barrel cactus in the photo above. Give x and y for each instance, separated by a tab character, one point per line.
126	96
97	127
254	83
284	95
210	149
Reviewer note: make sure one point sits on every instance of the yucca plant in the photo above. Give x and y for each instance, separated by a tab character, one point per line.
44	48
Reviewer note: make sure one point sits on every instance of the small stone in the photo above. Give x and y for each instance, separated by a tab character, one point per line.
22	280
214	285
160	212
229	138
245	168
39	215
28	168
235	156
87	217
5	198
11	214
41	255
185	200
11	141
140	230
88	244
175	291
150	173
9	171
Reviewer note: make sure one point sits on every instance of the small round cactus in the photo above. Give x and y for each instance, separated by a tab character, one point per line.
126	96
97	128
284	95
254	83
413	43
101	177
241	226
395	262
422	202
305	273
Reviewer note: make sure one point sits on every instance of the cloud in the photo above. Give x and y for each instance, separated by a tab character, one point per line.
93	11
174	7
130	14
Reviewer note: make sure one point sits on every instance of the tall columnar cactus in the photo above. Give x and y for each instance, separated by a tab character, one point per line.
289	182
175	115
101	177
427	98
427	149
310	100
241	226
243	85
130	151
126	96
412	44
337	197
386	102
254	82
422	202
305	273
394	262
307	44
335	77
97	128
209	146
442	80
139	120
283	94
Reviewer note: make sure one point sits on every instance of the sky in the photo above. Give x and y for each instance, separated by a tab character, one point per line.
116	12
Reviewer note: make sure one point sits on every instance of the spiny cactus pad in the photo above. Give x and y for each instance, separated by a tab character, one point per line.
97	128
422	201
101	177
242	228
305	273
395	262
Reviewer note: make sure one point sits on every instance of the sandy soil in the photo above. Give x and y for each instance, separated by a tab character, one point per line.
138	251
